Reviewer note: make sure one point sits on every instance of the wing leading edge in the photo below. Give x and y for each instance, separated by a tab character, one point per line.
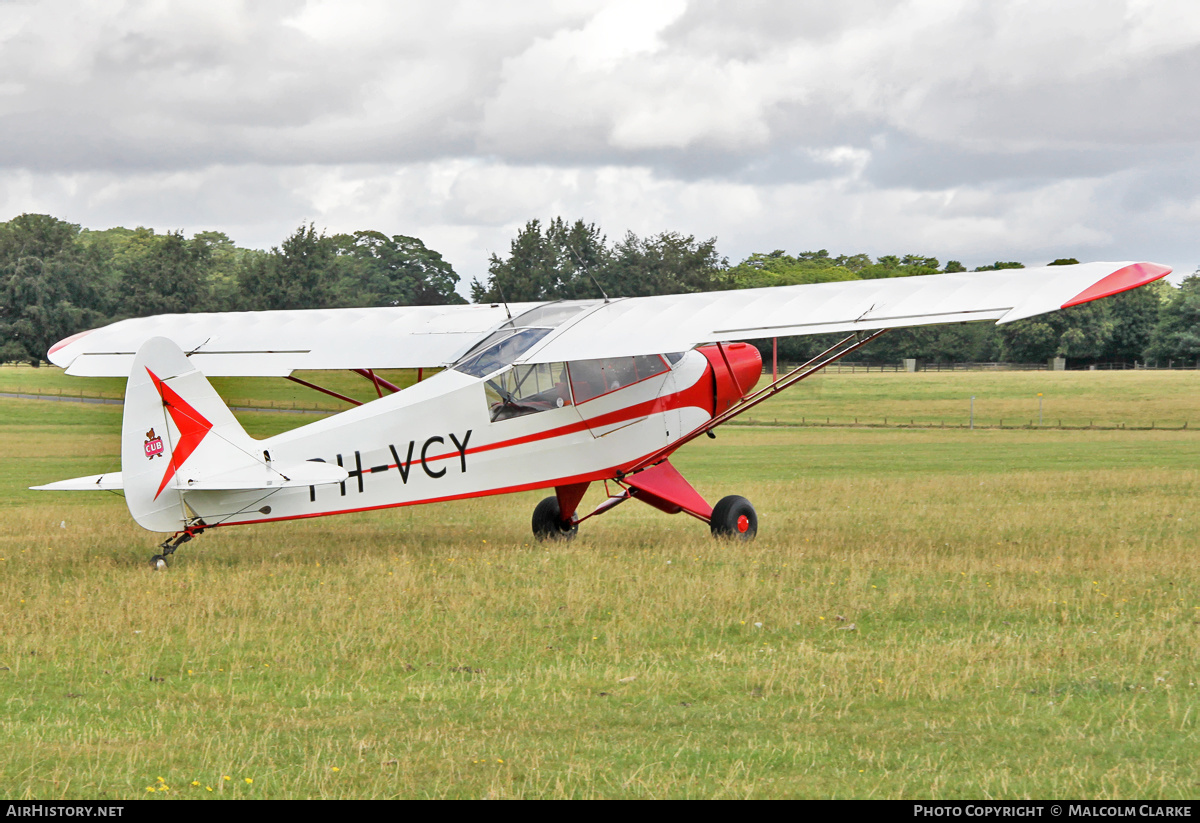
275	343
648	325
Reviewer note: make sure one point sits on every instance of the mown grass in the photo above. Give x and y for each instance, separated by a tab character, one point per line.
925	614
1111	399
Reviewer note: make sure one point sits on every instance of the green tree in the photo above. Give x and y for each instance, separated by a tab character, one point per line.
667	263
300	274
889	265
573	261
1029	341
168	276
958	343
48	285
36	235
998	265
225	262
555	264
395	271
1080	333
1134	314
781	269
852	262
1176	335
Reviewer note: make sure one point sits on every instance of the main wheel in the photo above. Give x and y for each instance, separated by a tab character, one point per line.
733	516
548	523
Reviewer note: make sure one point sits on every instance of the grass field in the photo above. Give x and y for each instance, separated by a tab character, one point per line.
1070	399
926	613
1074	399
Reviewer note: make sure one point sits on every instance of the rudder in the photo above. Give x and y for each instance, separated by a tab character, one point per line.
175	427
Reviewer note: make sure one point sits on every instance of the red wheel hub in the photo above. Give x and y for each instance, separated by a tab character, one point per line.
743	523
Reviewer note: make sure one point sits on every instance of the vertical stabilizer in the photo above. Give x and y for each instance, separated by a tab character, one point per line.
176	429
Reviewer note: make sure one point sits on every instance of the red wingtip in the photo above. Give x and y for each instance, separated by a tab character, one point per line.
1130	277
66	341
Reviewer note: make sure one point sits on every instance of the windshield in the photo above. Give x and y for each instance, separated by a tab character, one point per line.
514	338
503	348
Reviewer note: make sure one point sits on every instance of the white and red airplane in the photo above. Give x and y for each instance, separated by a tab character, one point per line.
554	395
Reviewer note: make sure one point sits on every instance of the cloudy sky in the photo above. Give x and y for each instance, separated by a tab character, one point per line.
977	131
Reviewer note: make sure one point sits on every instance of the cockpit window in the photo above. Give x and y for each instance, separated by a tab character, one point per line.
499	350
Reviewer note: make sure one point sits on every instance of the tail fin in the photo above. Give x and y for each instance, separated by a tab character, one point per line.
177	432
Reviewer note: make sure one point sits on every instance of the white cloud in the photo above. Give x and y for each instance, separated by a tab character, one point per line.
977	130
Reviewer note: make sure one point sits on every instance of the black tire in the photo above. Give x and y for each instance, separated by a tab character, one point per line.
158	561
734	517
548	523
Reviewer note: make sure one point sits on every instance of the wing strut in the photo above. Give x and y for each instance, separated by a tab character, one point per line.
833	353
324	390
379	381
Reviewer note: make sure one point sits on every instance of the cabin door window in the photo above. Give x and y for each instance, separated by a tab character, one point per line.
524	390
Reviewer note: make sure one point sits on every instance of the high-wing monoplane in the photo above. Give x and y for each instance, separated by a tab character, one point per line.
555	395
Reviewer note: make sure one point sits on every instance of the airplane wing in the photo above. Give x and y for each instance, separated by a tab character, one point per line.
647	325
275	343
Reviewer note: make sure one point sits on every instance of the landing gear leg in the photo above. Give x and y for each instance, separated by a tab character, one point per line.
168	546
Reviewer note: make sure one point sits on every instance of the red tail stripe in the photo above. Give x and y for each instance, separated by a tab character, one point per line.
193	428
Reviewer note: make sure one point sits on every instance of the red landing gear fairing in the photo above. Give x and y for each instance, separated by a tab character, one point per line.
534	396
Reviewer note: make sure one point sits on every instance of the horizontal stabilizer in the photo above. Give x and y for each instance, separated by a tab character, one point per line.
97	482
267	476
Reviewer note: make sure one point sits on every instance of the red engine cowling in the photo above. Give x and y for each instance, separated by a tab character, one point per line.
746	365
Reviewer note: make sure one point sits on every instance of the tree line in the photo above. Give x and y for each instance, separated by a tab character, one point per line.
57	278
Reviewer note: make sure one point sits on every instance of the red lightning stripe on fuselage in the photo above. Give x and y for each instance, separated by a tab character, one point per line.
193	427
697	395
